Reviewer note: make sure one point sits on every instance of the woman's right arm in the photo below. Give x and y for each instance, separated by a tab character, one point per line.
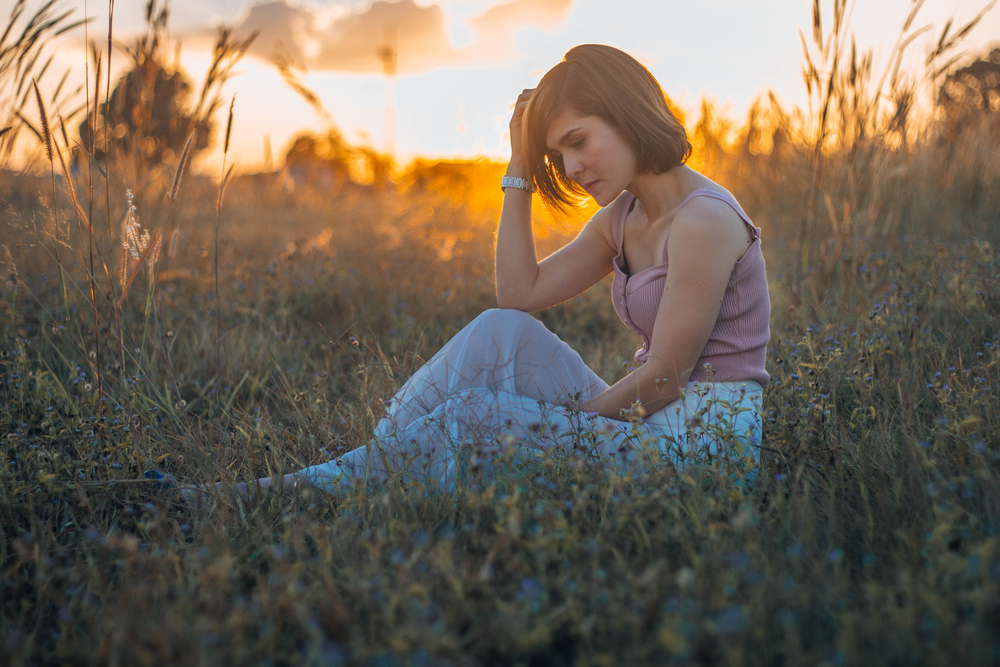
522	282
526	284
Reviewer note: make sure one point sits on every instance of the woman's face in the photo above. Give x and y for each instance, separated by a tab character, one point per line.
594	154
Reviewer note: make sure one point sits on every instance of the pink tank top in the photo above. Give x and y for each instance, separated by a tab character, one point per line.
737	345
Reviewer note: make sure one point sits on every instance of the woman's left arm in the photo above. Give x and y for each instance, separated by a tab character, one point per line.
706	240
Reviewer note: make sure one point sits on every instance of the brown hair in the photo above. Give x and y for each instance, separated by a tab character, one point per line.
602	81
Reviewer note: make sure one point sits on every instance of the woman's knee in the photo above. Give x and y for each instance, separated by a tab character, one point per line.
496	319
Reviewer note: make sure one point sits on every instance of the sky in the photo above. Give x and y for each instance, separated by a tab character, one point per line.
461	63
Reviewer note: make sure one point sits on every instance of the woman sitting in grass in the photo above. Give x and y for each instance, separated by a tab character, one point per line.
597	123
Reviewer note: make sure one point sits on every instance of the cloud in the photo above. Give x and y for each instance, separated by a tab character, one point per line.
496	26
545	14
283	29
349	41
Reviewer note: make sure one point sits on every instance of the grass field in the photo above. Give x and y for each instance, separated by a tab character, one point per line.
869	537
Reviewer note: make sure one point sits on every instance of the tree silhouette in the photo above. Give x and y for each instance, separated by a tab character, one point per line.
319	160
971	95
149	115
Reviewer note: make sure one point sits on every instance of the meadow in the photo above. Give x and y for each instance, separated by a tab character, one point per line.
266	333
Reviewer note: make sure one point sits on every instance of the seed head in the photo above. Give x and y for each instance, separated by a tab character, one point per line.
97	98
182	165
9	267
154	254
229	125
46	132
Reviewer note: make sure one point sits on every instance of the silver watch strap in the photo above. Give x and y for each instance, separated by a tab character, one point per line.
514	182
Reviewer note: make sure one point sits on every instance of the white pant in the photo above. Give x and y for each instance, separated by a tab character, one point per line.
506	383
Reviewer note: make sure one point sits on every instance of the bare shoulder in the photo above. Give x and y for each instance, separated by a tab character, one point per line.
601	223
710	223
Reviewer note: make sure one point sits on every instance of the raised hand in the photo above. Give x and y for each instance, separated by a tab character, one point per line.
516	124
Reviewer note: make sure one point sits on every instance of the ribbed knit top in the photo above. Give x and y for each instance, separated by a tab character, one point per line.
737	345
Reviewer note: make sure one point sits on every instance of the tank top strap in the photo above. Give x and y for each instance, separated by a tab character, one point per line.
622	206
729	199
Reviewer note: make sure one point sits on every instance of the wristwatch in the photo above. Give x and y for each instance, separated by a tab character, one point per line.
514	182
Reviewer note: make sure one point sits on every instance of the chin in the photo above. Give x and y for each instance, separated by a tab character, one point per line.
602	199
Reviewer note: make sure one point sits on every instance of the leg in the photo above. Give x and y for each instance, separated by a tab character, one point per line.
710	421
197	492
505	350
472	427
469	428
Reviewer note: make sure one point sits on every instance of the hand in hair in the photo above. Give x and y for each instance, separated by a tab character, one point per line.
515	124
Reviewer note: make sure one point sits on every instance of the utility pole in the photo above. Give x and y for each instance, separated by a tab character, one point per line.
388	53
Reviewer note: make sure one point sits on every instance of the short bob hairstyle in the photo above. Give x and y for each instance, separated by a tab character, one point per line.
598	80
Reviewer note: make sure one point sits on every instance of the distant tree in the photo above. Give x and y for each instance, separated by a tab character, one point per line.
150	113
971	95
327	159
319	160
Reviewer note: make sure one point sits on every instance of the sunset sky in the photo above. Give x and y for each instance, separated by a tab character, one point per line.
462	62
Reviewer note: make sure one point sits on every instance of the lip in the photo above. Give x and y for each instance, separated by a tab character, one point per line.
589	186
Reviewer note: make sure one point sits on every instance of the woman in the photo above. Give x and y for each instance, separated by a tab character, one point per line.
597	124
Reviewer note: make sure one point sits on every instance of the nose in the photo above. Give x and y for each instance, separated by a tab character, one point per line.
572	166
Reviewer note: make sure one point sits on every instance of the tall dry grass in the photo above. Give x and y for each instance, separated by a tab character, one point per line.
869	539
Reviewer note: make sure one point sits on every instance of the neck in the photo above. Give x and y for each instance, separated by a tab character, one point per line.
659	194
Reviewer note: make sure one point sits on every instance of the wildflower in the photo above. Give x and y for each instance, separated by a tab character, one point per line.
135	240
530	589
732	620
